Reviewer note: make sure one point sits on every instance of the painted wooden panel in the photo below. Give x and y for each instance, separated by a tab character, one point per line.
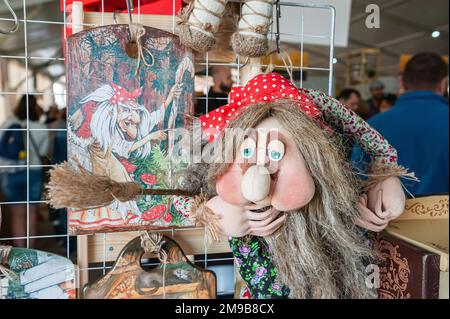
177	278
123	117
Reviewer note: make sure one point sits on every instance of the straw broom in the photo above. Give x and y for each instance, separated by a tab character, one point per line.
80	189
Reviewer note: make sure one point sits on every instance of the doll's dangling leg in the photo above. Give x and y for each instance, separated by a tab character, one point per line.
200	21
251	38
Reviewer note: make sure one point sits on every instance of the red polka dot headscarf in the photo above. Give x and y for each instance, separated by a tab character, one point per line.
266	88
123	96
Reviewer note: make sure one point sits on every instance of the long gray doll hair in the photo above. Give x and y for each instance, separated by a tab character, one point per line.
317	252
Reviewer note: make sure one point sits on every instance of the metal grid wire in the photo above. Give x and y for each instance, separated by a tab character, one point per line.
206	64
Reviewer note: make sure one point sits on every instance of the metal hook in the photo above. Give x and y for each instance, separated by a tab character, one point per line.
130	8
278	16
115	16
16	20
242	65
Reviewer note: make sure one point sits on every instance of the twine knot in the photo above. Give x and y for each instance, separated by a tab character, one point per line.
260	29
207	27
152	243
137	32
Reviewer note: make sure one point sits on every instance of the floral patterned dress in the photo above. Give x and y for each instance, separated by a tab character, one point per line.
255	266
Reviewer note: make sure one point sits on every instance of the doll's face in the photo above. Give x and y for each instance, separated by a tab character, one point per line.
268	170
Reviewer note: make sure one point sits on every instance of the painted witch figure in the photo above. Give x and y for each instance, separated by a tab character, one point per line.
113	126
288	198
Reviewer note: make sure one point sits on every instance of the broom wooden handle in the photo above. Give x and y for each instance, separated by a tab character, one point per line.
179	192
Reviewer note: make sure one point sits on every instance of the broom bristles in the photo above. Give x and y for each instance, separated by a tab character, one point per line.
80	189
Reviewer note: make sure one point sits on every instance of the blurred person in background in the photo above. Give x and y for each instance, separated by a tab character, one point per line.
55	121
14	183
376	95
418	125
12	157
387	102
218	93
51	115
58	154
350	98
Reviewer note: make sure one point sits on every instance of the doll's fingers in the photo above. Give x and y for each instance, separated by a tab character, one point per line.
393	214
363	197
363	210
362	223
379	205
367	214
261	216
370	226
262	223
363	200
271	228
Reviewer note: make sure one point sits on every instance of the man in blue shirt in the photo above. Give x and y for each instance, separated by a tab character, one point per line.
418	125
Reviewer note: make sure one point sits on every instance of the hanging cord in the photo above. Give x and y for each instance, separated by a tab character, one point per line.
289	66
152	243
260	29
137	31
4	271
16	20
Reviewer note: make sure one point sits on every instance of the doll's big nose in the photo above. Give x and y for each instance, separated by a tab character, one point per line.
255	184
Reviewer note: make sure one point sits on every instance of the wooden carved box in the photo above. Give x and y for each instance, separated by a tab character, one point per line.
414	251
406	271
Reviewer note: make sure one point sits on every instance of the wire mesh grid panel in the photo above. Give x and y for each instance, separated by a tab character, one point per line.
32	66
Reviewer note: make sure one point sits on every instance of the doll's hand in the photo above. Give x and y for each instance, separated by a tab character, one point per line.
382	204
368	219
392	202
229	217
264	223
239	221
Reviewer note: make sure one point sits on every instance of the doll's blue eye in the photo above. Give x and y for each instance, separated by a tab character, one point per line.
275	155
247	152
